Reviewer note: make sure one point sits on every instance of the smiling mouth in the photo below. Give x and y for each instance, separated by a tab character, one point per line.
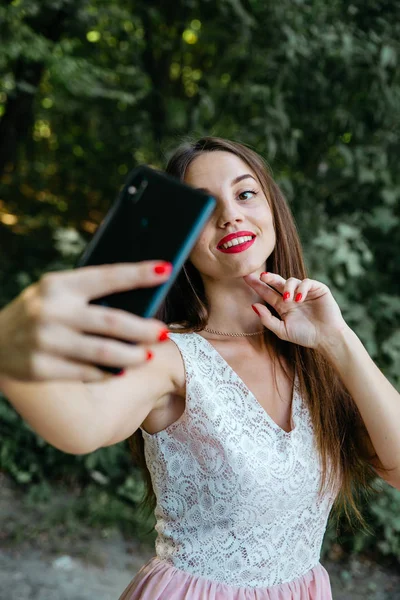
238	244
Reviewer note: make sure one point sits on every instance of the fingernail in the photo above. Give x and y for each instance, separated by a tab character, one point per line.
149	355
265	273
163	268
255	310
164	335
286	295
298	297
121	372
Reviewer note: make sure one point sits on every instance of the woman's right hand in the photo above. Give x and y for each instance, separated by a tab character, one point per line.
44	331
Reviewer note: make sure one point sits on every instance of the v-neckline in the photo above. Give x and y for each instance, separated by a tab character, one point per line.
250	393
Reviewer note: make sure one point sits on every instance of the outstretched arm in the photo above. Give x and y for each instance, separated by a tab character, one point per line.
78	417
50	339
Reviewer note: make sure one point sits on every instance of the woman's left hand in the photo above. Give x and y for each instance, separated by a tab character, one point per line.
309	321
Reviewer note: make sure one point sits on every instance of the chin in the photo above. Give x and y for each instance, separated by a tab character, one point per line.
253	266
250	269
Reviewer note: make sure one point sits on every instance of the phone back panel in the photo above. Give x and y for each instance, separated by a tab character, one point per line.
155	217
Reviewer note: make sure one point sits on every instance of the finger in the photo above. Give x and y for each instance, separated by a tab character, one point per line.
271	296
114	323
49	367
66	343
97	281
289	289
279	283
302	290
274	280
270	321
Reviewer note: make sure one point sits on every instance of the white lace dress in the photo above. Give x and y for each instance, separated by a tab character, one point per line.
238	515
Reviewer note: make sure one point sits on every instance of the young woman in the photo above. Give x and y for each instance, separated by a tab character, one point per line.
261	411
270	403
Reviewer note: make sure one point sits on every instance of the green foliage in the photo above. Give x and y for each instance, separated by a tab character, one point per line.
385	512
89	89
65	514
382	515
111	487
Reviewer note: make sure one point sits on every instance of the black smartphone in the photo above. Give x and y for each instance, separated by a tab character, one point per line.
155	216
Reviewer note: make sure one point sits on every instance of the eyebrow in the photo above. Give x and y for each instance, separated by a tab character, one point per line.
233	182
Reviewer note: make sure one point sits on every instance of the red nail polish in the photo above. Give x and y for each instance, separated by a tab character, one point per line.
149	355
255	310
264	273
164	335
286	295
298	297
163	268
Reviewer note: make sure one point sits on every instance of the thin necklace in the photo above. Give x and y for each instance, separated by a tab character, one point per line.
232	334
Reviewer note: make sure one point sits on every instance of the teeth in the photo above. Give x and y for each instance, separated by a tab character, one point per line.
236	241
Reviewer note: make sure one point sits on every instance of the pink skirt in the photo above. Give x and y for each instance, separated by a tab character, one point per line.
157	580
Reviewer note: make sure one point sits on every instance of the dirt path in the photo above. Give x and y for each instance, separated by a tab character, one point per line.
34	575
58	564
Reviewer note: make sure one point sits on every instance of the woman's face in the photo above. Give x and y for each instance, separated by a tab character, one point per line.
242	208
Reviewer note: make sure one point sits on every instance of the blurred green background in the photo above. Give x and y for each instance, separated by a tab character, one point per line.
89	89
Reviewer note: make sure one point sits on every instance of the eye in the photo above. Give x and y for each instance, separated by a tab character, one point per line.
244	195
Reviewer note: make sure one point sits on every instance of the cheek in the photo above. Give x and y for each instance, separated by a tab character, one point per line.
198	250
203	242
269	220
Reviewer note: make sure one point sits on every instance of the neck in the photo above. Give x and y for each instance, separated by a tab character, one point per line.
230	308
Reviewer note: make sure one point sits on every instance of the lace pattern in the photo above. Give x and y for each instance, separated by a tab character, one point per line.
236	495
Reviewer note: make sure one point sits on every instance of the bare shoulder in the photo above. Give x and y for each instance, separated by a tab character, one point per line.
170	406
174	363
144	391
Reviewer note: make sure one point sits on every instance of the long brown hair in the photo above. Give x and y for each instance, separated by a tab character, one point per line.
341	437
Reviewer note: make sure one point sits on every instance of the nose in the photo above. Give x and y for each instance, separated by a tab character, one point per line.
228	213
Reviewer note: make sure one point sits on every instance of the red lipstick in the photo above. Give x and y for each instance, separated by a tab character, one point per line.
238	247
